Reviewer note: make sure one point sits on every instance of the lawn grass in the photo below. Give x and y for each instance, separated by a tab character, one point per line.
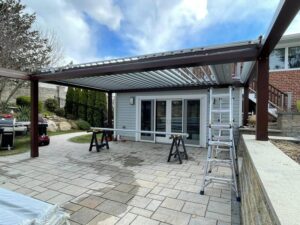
86	138
22	143
62	132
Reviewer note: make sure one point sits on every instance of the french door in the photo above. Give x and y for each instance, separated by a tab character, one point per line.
170	115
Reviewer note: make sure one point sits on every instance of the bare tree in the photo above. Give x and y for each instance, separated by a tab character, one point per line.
21	46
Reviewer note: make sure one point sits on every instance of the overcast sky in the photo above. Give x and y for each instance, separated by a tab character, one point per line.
91	30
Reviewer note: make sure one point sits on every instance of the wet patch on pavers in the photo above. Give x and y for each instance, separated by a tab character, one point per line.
130	161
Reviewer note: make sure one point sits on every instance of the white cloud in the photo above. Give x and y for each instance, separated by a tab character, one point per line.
160	25
103	11
157	25
66	19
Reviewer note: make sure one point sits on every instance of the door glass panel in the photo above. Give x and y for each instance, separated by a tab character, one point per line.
161	110
147	122
176	120
192	121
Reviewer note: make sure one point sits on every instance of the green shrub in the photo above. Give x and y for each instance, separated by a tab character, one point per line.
47	114
51	104
23	113
83	125
298	105
60	112
25	101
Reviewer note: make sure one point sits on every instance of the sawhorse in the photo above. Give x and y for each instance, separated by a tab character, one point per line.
94	140
177	140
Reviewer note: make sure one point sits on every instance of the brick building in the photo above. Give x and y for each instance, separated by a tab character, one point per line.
285	66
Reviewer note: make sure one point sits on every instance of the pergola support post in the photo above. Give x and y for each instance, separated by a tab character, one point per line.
246	105
34	120
262	91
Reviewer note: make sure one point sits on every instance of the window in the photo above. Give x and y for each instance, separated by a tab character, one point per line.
277	59
294	57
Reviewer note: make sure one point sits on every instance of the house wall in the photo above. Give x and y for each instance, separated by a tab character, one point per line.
126	114
287	81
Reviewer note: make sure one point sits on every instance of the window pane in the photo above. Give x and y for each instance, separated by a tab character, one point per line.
161	113
147	123
192	121
294	57
176	120
277	59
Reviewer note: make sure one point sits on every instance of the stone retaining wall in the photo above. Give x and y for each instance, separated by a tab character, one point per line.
254	207
289	123
269	183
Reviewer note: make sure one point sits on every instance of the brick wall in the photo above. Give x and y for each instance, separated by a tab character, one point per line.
287	81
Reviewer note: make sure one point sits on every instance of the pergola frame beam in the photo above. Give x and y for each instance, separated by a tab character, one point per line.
242	53
13	74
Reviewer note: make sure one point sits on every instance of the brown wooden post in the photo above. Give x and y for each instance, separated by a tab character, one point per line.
246	105
262	97
34	133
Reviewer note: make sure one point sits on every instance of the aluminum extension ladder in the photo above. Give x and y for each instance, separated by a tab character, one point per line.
220	139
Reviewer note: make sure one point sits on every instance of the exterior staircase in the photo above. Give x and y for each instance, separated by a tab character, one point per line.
278	100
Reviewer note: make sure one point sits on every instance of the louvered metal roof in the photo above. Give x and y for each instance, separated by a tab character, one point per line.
174	69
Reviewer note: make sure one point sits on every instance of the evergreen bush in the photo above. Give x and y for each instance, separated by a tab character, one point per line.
51	104
82	124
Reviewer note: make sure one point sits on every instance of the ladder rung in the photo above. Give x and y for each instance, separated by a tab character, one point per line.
221	160
222	149
223	179
220	125
223	138
220	110
220	143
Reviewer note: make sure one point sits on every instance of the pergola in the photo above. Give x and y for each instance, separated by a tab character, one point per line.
218	66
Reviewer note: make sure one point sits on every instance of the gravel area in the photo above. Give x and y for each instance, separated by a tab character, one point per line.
290	148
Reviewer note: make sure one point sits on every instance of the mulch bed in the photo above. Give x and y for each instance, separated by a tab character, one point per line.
290	148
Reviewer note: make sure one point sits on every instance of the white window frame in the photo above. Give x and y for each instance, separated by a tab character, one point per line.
286	56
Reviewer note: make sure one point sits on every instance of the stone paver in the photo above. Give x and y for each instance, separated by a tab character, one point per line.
91	201
194	208
144	221
117	196
103	219
84	215
171	203
113	208
171	216
131	183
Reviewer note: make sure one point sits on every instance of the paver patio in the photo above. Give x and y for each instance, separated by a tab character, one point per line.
131	183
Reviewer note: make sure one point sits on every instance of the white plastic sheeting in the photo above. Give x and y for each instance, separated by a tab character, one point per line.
18	209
